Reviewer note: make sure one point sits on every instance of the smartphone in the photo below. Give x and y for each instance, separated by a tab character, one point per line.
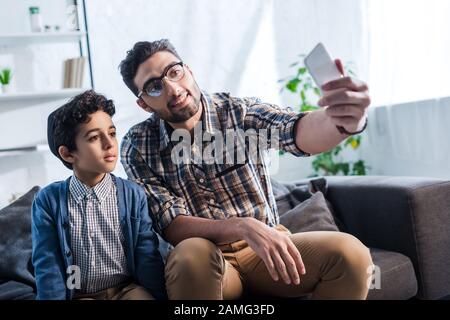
322	68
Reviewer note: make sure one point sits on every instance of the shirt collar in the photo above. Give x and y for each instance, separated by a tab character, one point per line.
210	121
100	191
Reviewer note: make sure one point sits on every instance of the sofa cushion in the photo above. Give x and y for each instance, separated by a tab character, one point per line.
312	214
396	281
13	290
290	196
15	240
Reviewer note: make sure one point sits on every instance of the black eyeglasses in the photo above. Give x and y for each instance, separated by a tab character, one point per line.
154	86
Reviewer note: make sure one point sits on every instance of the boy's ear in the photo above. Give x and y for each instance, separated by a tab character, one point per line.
66	155
141	103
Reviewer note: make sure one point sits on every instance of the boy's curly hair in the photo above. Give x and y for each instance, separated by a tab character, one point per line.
64	122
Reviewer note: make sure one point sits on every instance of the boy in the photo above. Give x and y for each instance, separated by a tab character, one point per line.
92	235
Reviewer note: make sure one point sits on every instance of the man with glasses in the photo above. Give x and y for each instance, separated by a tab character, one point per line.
222	217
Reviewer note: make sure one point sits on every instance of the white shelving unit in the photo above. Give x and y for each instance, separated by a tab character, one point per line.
56	94
19	151
41	37
13	99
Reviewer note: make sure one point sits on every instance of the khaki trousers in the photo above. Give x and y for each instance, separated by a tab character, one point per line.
338	266
129	291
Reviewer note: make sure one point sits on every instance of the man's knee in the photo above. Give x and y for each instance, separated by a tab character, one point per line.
354	257
194	270
194	256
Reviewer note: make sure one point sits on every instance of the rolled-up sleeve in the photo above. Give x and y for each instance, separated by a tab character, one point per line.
259	115
163	205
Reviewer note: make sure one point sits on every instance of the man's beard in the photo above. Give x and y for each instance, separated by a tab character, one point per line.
184	114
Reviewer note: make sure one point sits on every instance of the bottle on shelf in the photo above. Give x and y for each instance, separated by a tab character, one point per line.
35	19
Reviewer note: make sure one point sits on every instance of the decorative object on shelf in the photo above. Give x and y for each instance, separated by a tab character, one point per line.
35	19
331	162
72	16
74	72
5	79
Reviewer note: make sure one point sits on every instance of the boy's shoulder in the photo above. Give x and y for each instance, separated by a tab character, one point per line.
52	190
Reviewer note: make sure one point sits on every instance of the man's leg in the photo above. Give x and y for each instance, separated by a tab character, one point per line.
336	268
133	292
197	270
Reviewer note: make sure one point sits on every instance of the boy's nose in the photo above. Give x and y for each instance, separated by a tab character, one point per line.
108	142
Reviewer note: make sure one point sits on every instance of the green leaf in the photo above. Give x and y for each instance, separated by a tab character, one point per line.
307	107
317	91
303	95
5	76
292	85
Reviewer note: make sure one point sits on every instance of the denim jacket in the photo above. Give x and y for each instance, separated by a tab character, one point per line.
52	255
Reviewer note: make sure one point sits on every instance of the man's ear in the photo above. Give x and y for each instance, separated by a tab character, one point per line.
141	103
66	155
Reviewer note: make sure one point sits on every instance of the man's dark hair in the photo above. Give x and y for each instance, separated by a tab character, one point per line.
63	124
141	52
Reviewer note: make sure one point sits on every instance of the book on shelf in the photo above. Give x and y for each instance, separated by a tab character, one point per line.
74	70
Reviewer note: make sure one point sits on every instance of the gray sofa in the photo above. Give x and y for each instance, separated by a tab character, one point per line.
405	222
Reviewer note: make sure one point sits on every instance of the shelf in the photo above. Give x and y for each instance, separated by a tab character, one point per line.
49	95
41	37
12	152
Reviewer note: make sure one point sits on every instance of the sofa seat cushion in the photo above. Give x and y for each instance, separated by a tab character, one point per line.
397	279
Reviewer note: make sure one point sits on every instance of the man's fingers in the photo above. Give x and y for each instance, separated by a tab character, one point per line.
281	267
340	66
344	96
270	266
346	82
295	254
291	266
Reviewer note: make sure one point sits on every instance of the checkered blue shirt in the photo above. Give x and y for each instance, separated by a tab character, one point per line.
97	239
213	191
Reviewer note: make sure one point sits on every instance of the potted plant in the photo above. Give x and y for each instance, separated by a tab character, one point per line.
5	79
331	162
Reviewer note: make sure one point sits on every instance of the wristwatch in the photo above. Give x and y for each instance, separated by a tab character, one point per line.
344	131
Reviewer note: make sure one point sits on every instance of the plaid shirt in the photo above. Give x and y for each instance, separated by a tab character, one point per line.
97	239
213	191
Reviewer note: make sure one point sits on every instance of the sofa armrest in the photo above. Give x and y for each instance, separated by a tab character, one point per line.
402	214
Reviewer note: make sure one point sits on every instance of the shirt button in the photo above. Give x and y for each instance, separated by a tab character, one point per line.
92	234
202	180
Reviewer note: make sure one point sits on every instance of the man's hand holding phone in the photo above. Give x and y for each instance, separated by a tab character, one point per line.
345	99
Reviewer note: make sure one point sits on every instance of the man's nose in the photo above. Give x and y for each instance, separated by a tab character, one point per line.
172	88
